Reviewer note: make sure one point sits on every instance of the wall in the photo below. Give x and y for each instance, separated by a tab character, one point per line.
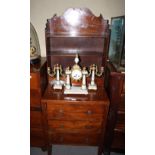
41	10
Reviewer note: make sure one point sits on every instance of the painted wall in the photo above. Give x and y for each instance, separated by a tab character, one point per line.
41	10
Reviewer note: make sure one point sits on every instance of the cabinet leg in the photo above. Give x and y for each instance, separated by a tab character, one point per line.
100	150
107	152
50	150
44	149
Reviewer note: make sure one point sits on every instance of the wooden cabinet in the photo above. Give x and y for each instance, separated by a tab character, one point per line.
71	119
115	86
75	119
38	83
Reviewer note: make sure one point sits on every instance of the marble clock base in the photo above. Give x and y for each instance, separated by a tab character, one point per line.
75	90
92	87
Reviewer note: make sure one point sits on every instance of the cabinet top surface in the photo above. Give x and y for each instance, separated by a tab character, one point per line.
55	95
37	66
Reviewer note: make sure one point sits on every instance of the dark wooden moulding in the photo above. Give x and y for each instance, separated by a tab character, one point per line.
77	31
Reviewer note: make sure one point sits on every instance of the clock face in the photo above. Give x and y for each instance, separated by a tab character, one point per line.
76	74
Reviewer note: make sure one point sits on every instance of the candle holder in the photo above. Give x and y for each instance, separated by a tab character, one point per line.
57	71
68	73
84	73
94	71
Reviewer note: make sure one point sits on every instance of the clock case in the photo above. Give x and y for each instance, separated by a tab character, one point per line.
78	30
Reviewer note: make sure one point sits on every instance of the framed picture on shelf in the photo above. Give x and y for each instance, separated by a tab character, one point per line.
117	41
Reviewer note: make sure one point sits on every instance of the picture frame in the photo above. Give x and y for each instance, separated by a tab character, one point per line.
117	41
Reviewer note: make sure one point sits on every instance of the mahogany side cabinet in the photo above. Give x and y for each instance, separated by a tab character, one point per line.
38	83
115	130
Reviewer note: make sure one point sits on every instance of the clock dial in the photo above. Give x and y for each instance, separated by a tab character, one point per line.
76	75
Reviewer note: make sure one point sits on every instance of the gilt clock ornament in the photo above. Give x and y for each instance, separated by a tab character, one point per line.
75	74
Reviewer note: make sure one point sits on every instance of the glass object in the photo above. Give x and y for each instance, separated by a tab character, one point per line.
117	42
34	45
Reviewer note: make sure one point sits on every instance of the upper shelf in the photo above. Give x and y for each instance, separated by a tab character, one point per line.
77	22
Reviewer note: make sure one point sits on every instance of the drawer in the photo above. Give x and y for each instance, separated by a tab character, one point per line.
74	139
60	126
35	97
35	119
76	111
76	107
34	81
37	137
74	116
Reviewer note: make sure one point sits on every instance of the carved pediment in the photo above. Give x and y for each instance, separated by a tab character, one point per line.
77	22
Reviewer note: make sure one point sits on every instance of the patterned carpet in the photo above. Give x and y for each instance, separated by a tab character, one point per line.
68	150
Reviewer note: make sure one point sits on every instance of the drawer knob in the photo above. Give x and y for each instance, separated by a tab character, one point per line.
49	132
61	139
61	111
89	112
88	127
87	140
61	126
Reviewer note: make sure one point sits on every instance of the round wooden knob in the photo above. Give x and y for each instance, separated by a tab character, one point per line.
88	127
87	140
61	139
89	112
61	111
61	126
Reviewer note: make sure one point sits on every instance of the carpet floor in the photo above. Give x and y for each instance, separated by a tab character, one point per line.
69	150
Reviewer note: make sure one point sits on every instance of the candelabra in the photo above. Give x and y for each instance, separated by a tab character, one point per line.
94	71
57	71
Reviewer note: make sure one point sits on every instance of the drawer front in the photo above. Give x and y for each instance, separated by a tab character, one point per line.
74	139
37	137
60	126
35	119
34	81
76	107
75	111
74	116
35	97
